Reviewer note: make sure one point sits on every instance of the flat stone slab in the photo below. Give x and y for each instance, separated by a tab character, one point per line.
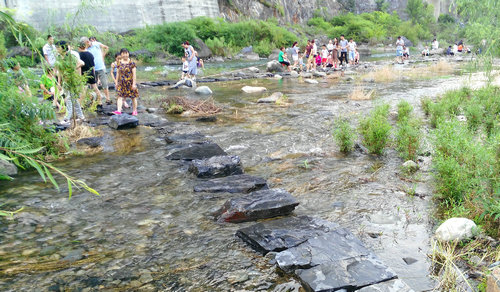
123	121
197	151
216	166
396	285
324	256
349	274
242	183
253	89
281	234
257	205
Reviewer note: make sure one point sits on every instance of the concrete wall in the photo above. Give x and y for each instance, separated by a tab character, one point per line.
116	15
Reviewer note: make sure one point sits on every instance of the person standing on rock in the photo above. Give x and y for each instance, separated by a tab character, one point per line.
352	51
295	54
343	50
88	70
126	82
190	54
399	49
50	52
308	54
99	51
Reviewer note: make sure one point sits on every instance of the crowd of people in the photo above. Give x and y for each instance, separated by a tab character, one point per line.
337	53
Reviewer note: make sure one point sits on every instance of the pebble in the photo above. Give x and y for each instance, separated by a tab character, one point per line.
146	278
28	252
238	277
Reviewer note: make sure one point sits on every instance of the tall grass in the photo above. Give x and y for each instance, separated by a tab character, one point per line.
344	135
375	129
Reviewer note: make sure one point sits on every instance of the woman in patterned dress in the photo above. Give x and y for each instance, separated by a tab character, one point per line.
125	82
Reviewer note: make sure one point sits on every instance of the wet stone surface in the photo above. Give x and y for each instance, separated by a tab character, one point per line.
242	183
217	166
123	121
197	151
257	205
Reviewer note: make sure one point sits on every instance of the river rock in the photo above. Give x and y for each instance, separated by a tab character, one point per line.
186	83
254	69
281	234
294	74
493	282
242	183
246	50
456	229
216	166
197	151
202	49
274	54
257	205
253	57
123	121
319	74
274	66
277	76
306	75
311	81
408	43
7	168
74	255
205	90
19	51
253	89
396	285
92	142
273	98
439	51
356	272
207	119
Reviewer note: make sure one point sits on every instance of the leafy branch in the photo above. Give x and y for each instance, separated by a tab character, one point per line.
44	169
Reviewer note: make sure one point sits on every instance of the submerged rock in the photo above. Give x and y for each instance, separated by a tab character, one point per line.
205	90
396	285
123	121
183	83
456	229
216	166
232	184
208	119
197	151
254	69
273	98
252	89
257	205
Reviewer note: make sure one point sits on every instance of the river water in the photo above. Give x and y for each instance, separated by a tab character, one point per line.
149	231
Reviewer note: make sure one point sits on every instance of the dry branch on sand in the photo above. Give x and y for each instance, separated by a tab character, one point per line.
179	104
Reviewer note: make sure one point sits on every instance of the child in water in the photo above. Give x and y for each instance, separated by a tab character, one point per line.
126	86
185	67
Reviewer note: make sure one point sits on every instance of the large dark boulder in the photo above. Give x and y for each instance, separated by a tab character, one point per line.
408	43
257	205
274	66
216	166
281	234
197	151
123	121
202	49
242	183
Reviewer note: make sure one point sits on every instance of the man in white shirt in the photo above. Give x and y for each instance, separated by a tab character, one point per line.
352	51
435	44
50	51
99	50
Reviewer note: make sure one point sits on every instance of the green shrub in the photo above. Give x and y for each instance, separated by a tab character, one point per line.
375	129
3	49
344	135
438	114
169	36
474	113
264	48
404	110
217	46
425	103
408	138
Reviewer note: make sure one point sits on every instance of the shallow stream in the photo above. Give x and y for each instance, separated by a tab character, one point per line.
149	231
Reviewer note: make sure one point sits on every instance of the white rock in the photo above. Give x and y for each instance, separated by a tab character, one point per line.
306	75
311	81
271	99
456	229
254	69
277	76
319	74
253	89
410	165
294	74
253	57
203	90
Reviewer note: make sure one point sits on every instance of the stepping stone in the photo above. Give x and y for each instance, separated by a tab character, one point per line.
242	183
349	274
281	234
311	81
197	151
92	142
257	205
196	138
216	166
273	98
204	90
123	121
388	286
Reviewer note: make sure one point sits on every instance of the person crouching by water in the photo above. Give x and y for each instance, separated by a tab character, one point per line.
126	82
48	85
190	55
283	59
